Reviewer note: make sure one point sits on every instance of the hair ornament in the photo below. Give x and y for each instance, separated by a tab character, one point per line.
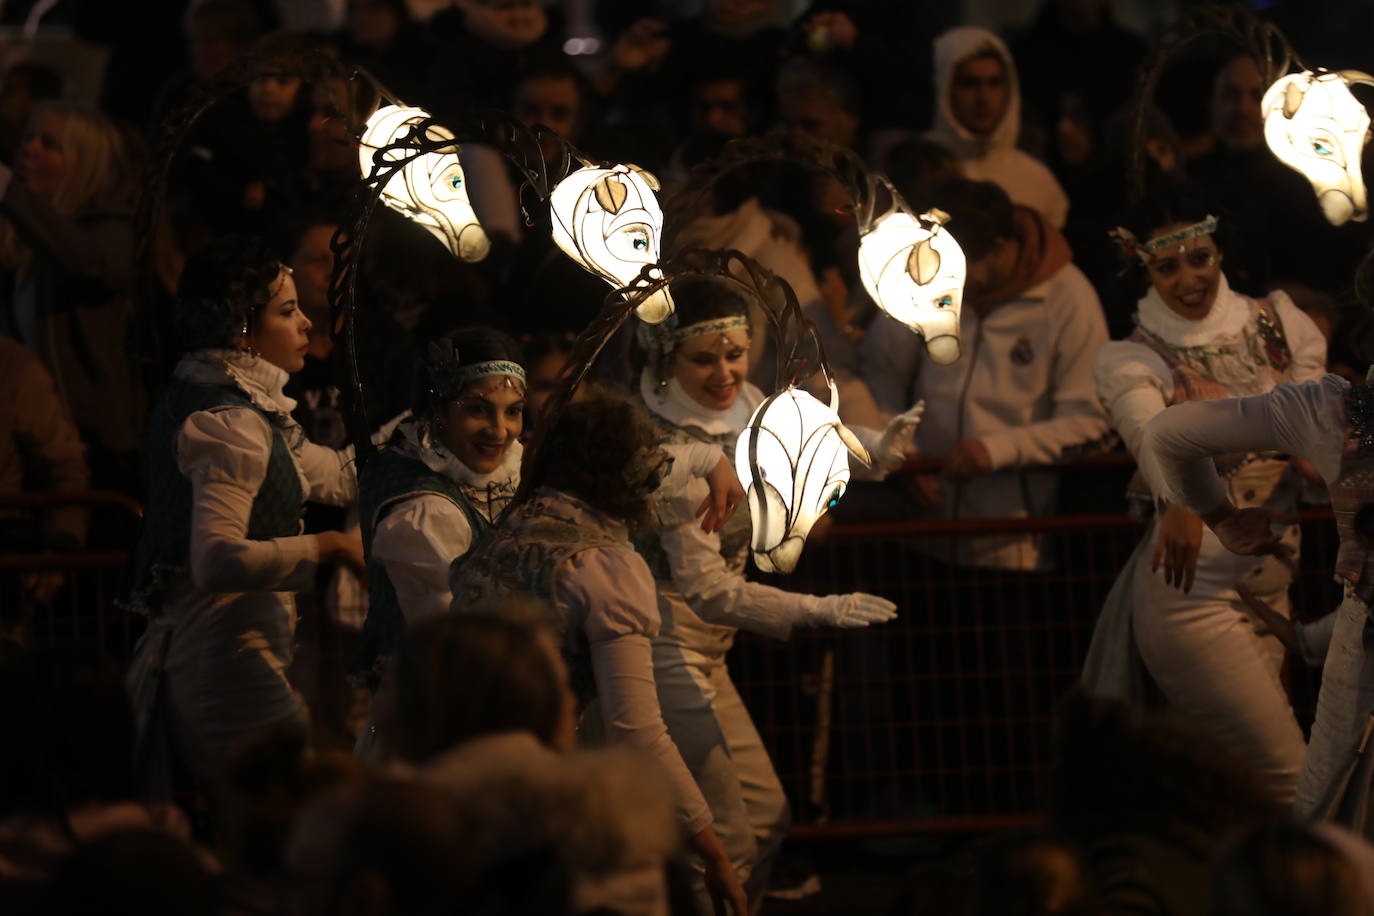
712	326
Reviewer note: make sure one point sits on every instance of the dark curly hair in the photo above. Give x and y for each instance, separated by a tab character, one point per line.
1177	203
602	449
223	289
469	346
695	299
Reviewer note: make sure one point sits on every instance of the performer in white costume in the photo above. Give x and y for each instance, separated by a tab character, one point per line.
1176	604
221	552
694	384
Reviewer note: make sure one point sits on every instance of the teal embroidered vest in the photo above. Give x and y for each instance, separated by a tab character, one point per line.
165	544
388	478
521	556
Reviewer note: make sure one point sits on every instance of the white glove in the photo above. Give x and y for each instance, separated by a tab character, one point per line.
857	609
895	443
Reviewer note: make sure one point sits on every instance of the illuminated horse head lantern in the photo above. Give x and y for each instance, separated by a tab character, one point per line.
793	459
914	270
608	220
430	189
1314	125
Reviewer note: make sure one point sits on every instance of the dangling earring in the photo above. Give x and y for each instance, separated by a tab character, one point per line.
248	344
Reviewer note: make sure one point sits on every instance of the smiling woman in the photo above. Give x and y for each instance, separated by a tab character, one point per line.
693	380
1175	606
447	472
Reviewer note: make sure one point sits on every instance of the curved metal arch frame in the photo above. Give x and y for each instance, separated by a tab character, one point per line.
864	186
1260	39
518	143
772	293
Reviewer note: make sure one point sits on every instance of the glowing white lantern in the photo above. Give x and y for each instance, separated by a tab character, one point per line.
915	270
431	189
609	221
793	460
1314	125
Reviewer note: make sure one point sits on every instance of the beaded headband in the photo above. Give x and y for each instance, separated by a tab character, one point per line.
447	377
714	326
1134	248
490	367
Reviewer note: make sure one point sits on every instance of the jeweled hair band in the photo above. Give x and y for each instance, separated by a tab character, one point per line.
714	326
488	368
1133	246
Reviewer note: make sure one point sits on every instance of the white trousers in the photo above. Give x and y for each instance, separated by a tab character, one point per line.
1202	650
721	747
1344	705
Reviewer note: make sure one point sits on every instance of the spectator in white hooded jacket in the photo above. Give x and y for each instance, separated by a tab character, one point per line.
978	118
1022	395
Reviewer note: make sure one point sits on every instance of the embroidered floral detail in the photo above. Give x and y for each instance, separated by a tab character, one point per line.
1275	344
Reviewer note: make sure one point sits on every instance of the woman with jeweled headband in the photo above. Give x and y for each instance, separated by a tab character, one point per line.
445	474
693	381
1330	423
1175	606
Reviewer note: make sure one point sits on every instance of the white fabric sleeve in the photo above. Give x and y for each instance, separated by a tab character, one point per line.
1305	339
416	542
1077	418
1134	385
331	473
1305	421
224	453
610	593
1314	639
691	462
718	594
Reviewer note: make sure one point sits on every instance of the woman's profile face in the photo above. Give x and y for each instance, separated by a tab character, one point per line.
485	420
1187	274
281	334
712	367
43	161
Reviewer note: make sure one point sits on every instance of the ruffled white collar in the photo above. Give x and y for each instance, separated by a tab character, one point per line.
432	453
1228	317
674	404
254	376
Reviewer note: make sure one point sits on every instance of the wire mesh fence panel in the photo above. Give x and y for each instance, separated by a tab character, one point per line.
68	597
943	717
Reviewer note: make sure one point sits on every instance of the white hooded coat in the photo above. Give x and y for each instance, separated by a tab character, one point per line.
993	156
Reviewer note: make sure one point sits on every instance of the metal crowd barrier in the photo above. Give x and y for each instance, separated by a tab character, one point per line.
941	721
938	722
81	611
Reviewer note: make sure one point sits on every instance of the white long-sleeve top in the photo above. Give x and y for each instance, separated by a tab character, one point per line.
715	591
1135	384
419	538
1304	420
224	452
609	593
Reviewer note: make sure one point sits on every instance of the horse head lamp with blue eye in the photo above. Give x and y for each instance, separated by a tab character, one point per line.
430	189
608	220
914	270
793	460
1316	126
